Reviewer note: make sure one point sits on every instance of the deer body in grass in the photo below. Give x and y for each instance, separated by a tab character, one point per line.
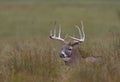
69	51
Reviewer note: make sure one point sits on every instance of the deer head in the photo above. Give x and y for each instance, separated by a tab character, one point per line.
69	52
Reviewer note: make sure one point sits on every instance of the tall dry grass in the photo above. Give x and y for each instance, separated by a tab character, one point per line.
34	61
29	61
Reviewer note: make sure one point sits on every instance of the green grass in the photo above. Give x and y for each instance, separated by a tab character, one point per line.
27	53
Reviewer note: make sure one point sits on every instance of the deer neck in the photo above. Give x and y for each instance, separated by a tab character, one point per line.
75	58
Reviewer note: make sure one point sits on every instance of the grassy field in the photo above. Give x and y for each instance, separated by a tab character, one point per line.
27	53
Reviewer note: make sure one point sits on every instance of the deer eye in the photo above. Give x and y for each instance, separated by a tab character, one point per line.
70	48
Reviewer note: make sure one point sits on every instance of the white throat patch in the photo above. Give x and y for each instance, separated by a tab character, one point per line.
66	59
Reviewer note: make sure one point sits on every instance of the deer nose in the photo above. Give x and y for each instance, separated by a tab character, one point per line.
62	54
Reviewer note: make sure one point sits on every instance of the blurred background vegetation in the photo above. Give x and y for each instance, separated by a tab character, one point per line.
35	19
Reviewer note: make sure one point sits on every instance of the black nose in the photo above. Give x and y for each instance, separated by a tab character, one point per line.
62	55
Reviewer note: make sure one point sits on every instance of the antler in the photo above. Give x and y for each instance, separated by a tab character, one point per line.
81	33
54	36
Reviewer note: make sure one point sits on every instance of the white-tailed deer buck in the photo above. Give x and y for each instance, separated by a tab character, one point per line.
69	52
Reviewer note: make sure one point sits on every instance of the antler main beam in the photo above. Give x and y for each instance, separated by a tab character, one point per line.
81	33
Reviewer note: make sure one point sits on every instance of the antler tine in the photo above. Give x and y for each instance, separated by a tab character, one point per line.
83	30
55	29
82	34
59	34
79	30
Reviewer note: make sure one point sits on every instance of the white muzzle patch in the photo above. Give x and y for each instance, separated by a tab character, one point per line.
64	54
65	57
